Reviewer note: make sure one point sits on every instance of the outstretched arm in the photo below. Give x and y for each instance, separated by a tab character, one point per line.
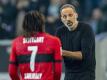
75	54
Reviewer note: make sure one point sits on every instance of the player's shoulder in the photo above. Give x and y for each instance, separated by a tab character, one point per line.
17	39
51	37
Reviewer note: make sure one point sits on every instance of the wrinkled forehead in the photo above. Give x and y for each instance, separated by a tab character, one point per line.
67	11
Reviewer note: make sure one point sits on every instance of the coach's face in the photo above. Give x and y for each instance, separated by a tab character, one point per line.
69	17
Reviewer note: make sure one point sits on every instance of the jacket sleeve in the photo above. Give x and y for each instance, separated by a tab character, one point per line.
13	65
57	59
88	45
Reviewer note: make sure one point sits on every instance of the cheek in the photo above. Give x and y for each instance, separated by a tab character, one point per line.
72	19
63	20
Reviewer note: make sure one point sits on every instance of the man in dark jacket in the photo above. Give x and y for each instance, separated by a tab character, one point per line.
78	44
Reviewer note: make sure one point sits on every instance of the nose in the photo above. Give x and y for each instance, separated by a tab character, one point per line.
68	19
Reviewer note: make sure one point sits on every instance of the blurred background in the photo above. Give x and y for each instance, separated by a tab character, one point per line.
93	12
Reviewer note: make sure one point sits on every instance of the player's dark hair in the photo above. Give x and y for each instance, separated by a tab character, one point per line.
33	22
67	6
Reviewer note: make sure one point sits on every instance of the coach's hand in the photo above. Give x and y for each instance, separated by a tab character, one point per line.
64	52
71	54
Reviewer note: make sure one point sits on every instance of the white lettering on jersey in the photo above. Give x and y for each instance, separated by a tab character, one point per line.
32	75
33	40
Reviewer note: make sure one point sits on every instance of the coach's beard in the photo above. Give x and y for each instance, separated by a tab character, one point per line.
69	25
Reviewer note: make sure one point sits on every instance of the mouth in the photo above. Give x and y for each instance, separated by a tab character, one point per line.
69	23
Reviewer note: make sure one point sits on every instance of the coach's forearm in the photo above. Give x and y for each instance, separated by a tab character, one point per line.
75	54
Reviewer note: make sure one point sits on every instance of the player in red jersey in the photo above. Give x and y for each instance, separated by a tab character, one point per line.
35	55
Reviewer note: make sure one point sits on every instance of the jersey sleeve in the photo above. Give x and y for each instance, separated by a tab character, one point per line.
13	65
88	45
57	59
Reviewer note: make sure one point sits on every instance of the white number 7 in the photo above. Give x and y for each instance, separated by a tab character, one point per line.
34	50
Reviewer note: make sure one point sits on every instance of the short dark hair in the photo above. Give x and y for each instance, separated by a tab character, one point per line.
33	22
67	6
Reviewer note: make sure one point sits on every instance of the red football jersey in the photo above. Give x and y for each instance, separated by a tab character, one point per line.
36	58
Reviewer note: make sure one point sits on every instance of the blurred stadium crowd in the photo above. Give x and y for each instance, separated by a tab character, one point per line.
12	13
